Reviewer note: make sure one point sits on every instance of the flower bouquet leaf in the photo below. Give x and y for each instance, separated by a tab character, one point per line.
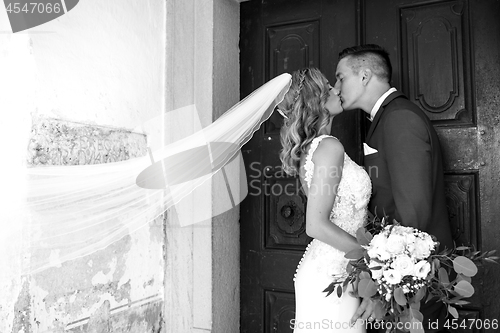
398	267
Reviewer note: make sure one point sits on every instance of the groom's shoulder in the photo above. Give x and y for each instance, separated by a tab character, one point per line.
399	103
401	113
399	100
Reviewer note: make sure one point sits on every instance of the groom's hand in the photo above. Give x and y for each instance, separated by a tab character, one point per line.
364	311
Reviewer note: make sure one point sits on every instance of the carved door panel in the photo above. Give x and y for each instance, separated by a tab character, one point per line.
277	37
445	58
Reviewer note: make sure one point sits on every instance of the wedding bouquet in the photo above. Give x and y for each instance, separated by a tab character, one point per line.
399	266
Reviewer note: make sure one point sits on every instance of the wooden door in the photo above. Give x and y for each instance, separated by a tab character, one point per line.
446	58
277	37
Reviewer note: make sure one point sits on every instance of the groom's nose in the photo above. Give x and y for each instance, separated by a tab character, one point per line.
336	91
337	86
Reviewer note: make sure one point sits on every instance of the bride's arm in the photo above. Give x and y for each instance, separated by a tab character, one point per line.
328	163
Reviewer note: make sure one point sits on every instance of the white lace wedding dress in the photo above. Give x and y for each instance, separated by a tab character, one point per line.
314	311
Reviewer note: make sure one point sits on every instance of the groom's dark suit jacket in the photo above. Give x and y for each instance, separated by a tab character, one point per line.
407	174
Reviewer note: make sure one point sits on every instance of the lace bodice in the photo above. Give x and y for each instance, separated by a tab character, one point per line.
349	210
353	193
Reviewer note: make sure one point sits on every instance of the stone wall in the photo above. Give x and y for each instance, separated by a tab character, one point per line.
71	92
118	289
59	142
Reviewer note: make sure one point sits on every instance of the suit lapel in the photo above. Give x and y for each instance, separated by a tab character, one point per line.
376	120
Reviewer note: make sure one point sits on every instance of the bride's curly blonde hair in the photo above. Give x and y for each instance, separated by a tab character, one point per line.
305	115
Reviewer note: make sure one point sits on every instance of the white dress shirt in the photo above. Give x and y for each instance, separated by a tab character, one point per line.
379	102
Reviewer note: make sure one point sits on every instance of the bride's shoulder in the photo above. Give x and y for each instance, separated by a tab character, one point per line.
328	143
329	148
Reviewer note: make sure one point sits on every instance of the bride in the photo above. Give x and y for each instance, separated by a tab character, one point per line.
337	190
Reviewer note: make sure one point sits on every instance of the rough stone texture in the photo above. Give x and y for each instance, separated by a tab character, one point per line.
225	228
80	67
22	310
202	260
57	142
117	289
103	64
99	320
148	319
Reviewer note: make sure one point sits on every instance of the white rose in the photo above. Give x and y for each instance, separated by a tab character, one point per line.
403	264
377	248
395	244
422	269
410	242
378	241
422	249
379	254
427	238
392	276
399	230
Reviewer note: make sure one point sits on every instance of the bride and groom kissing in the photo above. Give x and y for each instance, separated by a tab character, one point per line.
405	181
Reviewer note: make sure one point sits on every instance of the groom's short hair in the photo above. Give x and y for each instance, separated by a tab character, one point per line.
370	55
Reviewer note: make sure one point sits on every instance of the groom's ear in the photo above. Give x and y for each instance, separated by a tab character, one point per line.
366	76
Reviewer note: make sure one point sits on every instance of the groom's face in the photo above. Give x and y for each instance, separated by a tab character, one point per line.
349	84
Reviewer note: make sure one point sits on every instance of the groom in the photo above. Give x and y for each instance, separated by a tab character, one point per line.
402	156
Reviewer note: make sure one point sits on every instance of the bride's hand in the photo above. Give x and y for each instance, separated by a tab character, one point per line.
364	311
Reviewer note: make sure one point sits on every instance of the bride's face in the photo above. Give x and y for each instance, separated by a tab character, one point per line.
333	104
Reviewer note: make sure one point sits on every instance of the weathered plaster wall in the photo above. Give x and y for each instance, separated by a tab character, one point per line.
103	66
189	71
57	142
202	272
226	227
115	289
98	72
102	63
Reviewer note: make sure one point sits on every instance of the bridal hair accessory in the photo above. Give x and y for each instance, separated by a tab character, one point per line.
302	76
67	212
282	113
398	267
